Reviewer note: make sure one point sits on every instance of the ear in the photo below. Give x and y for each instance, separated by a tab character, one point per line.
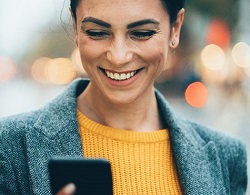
176	30
74	25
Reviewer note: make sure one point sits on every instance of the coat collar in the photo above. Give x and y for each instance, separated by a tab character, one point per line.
56	133
197	161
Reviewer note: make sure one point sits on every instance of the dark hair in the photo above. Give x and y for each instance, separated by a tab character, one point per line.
73	5
172	7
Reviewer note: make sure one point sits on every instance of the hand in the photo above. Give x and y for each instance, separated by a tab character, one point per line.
69	189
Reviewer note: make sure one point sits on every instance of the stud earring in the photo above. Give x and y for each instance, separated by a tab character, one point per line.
171	47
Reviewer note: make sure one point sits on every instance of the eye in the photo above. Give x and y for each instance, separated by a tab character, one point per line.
142	35
97	34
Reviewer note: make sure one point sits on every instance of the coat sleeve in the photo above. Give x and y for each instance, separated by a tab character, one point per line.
8	184
238	176
9	144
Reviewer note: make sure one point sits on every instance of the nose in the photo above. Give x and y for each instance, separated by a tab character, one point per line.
119	53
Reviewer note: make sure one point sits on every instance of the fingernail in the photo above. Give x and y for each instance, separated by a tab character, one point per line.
70	188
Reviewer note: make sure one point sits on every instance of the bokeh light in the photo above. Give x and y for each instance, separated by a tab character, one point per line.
213	57
196	94
60	71
38	69
8	69
55	71
241	54
218	33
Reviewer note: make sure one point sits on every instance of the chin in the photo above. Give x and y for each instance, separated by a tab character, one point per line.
123	98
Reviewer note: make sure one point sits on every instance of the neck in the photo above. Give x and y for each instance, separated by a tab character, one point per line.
139	115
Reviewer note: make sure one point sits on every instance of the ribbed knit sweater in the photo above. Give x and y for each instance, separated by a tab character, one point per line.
141	162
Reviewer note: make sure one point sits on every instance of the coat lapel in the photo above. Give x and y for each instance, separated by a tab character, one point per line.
198	165
197	161
55	133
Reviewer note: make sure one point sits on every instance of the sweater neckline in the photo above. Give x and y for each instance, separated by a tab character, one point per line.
120	134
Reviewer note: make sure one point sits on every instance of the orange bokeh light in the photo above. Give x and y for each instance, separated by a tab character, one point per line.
196	94
218	33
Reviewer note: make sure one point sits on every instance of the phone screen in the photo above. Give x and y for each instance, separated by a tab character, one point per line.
91	176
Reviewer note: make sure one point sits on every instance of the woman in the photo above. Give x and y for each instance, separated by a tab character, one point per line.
118	115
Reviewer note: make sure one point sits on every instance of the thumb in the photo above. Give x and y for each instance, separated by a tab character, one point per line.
69	189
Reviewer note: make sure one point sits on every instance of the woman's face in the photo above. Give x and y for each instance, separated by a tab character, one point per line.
124	45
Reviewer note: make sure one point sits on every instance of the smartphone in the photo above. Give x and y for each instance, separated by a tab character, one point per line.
91	176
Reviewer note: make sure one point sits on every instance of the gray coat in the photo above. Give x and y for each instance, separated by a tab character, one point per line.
207	161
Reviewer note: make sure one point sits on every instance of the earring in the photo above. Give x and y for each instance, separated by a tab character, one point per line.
172	49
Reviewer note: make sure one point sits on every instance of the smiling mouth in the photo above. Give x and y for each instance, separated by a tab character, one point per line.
120	76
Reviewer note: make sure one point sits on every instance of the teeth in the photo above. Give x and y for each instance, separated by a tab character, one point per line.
120	77
123	76
117	76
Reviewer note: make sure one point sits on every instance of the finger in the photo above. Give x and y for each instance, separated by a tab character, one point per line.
69	189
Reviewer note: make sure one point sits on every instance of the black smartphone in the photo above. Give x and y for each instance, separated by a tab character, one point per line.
91	176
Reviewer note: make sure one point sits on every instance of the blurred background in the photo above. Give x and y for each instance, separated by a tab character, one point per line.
207	79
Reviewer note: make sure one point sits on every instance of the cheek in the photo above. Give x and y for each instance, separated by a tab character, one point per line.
87	49
90	52
87	56
156	54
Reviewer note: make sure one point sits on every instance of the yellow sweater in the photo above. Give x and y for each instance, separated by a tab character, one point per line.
141	162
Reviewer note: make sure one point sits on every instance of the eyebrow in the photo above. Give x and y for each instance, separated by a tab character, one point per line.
96	21
131	25
142	22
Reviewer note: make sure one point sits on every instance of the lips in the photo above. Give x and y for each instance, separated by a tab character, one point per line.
120	76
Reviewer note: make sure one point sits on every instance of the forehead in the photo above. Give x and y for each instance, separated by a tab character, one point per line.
122	9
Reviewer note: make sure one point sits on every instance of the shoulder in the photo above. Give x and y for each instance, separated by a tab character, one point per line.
230	149
226	144
221	139
13	127
13	131
221	150
232	153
